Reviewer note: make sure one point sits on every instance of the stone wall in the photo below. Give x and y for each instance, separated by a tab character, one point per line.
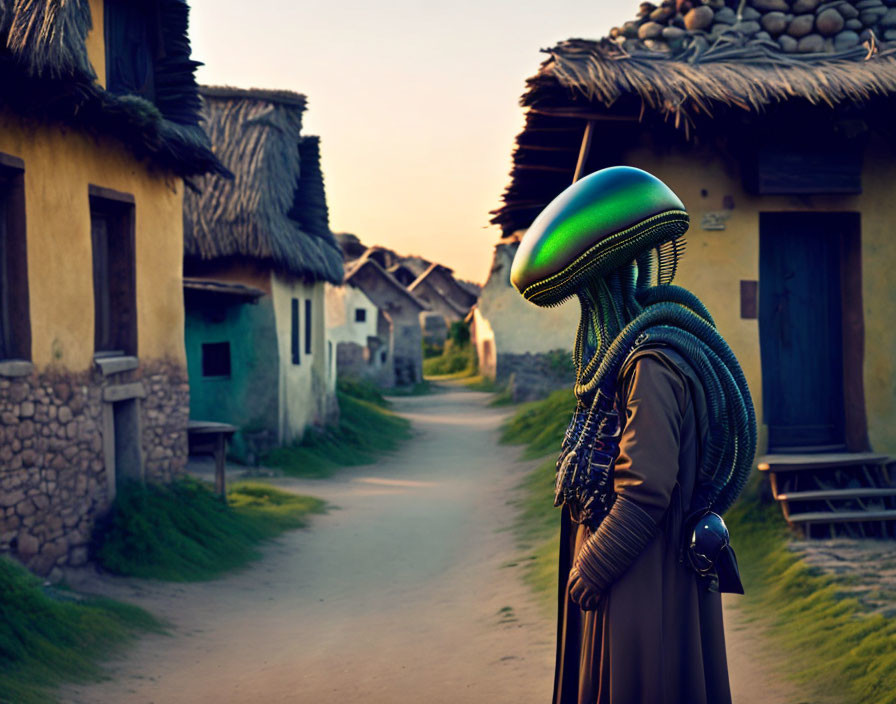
533	376
53	475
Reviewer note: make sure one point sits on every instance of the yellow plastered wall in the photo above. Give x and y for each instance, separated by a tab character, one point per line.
96	42
716	262
60	164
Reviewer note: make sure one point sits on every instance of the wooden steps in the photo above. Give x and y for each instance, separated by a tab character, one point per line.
834	493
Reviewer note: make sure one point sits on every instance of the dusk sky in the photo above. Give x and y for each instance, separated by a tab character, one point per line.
416	103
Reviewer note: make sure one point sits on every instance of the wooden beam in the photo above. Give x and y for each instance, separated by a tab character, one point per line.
583	151
540	167
583	114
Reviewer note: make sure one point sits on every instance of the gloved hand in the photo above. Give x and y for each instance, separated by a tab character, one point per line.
582	593
609	551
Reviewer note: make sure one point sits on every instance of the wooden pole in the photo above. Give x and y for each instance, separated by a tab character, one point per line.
583	151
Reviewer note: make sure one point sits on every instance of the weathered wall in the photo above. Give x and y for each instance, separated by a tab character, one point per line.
56	427
403	313
248	398
55	481
59	166
305	396
362	348
519	326
717	260
341	304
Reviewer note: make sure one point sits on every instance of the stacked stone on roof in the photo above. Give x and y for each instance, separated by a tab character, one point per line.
791	26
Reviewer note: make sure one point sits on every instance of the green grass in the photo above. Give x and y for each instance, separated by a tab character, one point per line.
457	360
539	425
366	430
827	639
48	636
362	390
421	388
184	532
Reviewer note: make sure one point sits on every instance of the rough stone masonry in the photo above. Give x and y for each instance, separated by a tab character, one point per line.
53	478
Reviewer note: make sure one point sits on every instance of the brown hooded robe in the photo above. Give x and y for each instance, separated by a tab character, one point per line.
657	636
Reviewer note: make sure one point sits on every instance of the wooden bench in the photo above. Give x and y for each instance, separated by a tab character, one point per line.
209	438
848	493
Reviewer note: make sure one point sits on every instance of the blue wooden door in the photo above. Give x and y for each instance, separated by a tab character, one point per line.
800	329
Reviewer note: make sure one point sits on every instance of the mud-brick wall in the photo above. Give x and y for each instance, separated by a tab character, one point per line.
53	477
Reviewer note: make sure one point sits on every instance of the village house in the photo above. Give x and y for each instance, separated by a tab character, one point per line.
258	252
776	130
438	288
99	125
398	349
361	333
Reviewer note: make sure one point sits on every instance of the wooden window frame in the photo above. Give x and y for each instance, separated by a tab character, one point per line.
119	210
15	313
360	315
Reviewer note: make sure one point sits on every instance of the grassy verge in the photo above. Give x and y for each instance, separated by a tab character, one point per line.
48	636
183	532
830	643
366	430
457	360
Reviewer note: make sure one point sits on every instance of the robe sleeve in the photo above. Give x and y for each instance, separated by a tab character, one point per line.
645	473
647	467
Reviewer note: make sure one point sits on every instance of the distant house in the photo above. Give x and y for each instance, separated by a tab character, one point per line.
257	253
398	327
361	333
781	148
97	133
442	293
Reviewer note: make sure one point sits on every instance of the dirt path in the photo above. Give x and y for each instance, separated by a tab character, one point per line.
397	596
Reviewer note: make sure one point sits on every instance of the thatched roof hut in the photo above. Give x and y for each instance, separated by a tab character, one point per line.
46	74
274	210
690	70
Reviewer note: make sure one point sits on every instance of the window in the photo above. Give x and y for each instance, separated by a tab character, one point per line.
307	326
296	358
114	278
15	326
360	315
132	33
216	359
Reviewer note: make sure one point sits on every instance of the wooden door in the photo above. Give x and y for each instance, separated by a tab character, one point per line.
800	328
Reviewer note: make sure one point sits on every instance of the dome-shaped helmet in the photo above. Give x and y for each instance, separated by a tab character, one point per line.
598	224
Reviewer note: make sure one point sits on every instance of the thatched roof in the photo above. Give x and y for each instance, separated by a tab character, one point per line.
353	277
683	65
274	210
46	74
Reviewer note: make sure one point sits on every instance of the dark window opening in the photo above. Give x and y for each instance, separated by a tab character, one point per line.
114	276
296	357
15	323
133	44
383	357
216	359
360	315
307	326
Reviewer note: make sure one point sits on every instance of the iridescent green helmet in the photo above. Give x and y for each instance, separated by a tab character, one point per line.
598	224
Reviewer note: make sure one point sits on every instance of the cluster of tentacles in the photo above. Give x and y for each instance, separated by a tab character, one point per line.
622	313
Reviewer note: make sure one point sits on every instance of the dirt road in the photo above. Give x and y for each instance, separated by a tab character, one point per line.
399	595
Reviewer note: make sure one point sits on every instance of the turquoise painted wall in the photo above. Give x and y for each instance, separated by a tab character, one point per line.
248	397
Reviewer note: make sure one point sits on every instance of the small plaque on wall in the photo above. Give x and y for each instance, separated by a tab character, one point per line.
749	300
714	220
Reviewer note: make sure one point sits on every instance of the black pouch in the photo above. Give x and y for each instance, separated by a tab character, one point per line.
707	550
